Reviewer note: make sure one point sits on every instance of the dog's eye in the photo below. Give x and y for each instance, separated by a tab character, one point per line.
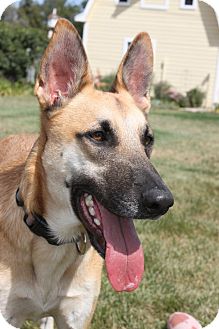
148	140
98	136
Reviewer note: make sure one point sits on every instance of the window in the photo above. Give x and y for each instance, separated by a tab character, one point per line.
128	41
126	44
123	2
188	4
155	4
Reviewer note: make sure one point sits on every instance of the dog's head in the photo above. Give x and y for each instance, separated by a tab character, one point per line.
97	148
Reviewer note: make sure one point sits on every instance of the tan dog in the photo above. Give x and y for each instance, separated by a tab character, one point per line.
80	185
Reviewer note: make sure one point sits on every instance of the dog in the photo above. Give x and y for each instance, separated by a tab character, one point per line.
69	196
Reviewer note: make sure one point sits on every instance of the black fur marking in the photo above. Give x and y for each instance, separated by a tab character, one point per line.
110	140
67	185
147	139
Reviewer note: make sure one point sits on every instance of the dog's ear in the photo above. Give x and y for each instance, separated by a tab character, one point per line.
135	71
64	68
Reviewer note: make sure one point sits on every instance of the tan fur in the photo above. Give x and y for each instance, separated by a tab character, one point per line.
37	279
25	256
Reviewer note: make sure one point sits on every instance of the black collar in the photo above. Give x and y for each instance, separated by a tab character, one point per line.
39	226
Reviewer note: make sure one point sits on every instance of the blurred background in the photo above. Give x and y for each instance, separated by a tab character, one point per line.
184	34
25	29
181	250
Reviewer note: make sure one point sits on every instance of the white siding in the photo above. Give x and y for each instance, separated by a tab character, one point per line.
187	41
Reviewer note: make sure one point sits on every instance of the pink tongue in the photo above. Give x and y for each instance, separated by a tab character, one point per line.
124	255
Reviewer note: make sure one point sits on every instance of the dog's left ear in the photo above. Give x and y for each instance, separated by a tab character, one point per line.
135	71
64	68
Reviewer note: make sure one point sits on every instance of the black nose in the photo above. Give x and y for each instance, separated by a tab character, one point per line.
158	201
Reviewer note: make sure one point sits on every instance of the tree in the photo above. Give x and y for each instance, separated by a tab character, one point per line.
65	9
19	48
30	13
23	33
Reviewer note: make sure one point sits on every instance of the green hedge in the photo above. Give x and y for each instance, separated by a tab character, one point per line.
164	92
8	88
19	48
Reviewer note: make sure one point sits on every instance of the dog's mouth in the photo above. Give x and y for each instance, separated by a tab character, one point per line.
116	240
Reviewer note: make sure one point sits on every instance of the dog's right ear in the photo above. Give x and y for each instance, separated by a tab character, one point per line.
64	68
135	71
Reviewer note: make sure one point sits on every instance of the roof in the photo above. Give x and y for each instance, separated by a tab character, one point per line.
82	17
215	5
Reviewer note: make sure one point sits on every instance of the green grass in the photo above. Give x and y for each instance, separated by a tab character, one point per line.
181	250
18	114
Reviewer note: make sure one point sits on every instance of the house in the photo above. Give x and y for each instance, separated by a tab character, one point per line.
184	33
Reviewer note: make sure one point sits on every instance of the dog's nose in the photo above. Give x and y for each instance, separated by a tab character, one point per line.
158	201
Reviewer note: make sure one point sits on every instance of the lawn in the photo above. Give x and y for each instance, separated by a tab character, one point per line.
181	250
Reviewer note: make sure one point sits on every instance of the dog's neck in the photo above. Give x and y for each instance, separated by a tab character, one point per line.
52	205
32	187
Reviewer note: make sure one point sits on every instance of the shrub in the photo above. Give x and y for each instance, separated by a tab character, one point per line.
183	101
161	90
5	87
216	107
104	83
19	48
160	105
8	88
195	97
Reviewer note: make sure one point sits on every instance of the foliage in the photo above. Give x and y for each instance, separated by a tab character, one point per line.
5	87
216	107
195	97
161	90
183	101
29	14
104	83
165	96
108	79
19	48
32	13
8	88
161	105
23	34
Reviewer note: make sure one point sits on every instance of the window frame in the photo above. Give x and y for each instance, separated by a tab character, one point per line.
165	6
118	3
128	40
188	7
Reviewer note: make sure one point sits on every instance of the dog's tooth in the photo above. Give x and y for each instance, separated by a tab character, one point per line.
89	197
91	211
91	203
96	221
87	202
